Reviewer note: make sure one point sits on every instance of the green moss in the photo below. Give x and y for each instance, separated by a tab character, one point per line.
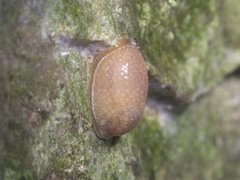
180	40
71	17
176	38
149	138
207	137
83	155
10	11
11	174
76	97
193	154
19	88
99	20
67	145
230	18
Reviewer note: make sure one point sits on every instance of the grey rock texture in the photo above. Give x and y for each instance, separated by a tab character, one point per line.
46	48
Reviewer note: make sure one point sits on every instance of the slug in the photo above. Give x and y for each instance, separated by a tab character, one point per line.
118	87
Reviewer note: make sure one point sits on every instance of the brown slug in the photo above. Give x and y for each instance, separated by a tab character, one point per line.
119	86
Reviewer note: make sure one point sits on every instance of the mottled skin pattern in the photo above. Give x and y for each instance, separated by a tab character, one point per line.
119	90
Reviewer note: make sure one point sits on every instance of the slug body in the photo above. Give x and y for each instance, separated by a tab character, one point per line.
119	86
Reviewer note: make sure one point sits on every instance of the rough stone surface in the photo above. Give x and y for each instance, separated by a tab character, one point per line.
45	118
